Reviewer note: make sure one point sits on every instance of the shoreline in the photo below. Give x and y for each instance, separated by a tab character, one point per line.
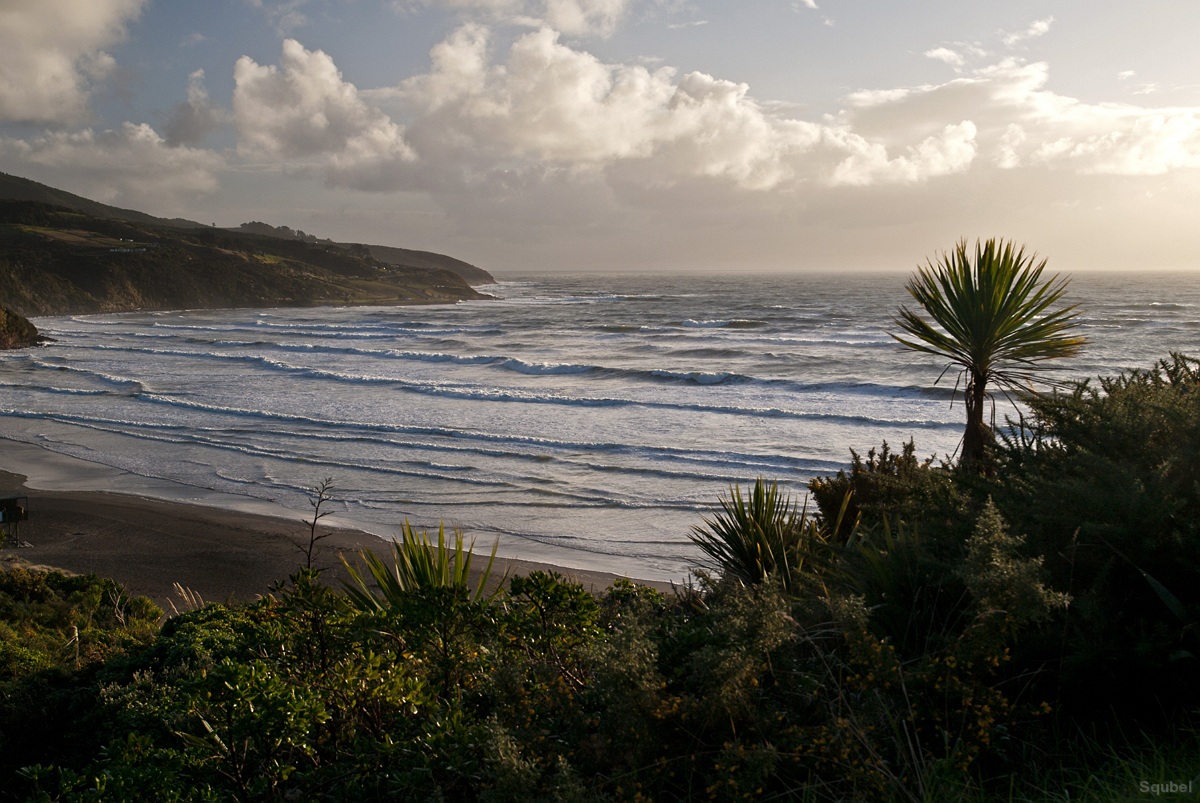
149	543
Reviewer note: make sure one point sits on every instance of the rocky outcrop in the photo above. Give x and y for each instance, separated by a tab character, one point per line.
15	331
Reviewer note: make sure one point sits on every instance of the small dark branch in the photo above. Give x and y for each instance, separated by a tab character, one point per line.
321	494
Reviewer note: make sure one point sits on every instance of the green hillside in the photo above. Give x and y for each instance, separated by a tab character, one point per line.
407	257
56	260
15	188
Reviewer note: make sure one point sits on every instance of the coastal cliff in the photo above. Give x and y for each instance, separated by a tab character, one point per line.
62	254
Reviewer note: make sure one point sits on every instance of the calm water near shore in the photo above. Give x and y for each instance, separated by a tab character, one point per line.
590	421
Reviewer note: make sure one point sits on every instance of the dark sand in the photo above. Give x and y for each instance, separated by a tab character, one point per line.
222	555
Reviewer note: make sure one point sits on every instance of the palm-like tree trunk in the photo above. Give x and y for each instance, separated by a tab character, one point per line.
978	435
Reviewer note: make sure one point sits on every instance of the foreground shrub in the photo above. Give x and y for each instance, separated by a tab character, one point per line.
57	631
1104	481
417	564
890	487
760	538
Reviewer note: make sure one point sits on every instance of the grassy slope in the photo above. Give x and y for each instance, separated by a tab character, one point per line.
56	261
15	188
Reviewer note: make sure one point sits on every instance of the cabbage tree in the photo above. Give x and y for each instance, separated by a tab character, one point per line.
990	316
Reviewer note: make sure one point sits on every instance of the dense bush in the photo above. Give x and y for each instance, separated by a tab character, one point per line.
547	693
57	632
888	488
969	637
1105	482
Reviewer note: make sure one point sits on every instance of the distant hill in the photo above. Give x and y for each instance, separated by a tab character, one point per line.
429	259
384	253
58	260
15	188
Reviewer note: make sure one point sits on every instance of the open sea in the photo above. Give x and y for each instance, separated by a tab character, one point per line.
586	420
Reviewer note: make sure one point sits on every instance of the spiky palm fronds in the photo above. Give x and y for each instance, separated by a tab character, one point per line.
991	317
761	537
417	564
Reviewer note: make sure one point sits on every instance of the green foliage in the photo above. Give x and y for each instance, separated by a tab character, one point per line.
55	627
760	538
934	653
50	617
992	319
417	564
916	597
888	487
1104	480
1007	589
925	698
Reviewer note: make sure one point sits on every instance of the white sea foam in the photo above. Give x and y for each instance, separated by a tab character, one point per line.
588	420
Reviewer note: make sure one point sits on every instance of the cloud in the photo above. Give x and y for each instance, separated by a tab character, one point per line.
950	151
951	57
1036	28
131	166
1019	122
53	55
303	113
551	103
543	113
585	17
190	122
285	15
570	17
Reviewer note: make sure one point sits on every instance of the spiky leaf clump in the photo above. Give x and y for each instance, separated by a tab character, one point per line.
417	564
991	316
758	538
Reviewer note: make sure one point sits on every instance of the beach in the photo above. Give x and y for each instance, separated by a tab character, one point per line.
216	551
579	421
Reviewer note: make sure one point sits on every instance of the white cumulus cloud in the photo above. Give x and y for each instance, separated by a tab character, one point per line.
52	54
551	103
945	54
131	166
950	151
1019	121
1036	28
580	17
304	114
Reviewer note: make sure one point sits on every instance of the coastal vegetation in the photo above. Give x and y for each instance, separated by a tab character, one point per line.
57	261
923	634
1023	629
992	319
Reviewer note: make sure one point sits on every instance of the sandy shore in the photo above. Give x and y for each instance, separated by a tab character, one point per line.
223	555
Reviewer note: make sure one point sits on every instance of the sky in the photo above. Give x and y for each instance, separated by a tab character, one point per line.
632	135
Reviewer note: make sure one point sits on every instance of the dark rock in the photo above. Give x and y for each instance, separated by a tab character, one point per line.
15	331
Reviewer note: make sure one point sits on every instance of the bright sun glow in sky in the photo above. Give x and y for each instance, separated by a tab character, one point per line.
627	134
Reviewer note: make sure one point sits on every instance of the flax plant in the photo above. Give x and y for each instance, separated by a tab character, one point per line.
991	318
759	537
418	564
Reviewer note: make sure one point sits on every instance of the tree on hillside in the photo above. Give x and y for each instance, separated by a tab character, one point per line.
991	318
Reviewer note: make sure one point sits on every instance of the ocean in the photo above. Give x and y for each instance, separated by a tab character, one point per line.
589	421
